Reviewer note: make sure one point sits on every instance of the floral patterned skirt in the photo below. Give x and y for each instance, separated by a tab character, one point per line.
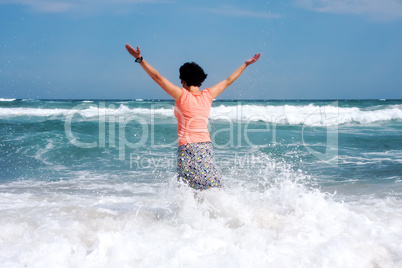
196	166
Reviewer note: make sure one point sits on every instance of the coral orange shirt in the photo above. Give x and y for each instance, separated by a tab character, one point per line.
192	112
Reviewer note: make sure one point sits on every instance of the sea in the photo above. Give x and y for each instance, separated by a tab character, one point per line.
306	183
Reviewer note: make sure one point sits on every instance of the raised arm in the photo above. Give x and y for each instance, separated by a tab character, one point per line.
165	84
220	87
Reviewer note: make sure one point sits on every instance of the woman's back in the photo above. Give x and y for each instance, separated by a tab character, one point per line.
192	112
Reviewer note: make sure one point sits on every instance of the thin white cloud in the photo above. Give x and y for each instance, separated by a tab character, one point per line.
376	9
236	12
58	6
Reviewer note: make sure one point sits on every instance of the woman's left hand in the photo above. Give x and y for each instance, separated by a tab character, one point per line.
136	53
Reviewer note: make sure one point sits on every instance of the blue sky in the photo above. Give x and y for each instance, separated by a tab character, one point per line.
311	49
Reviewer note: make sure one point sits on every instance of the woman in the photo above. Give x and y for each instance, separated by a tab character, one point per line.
195	162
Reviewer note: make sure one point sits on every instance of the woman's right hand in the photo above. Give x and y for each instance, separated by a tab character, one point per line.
253	59
136	53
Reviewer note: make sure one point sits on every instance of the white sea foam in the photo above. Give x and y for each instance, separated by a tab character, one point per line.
311	115
308	114
86	111
377	158
36	112
101	223
2	99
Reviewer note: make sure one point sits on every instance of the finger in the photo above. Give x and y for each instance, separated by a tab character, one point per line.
128	48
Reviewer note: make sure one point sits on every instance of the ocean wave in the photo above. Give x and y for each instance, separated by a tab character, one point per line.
94	221
36	112
2	99
308	114
87	111
311	115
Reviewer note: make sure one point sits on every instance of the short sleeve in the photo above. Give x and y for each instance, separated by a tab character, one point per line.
182	97
208	94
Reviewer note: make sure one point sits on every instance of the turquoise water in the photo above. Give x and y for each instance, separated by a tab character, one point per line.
83	179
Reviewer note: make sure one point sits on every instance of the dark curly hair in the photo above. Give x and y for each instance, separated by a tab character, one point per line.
192	74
